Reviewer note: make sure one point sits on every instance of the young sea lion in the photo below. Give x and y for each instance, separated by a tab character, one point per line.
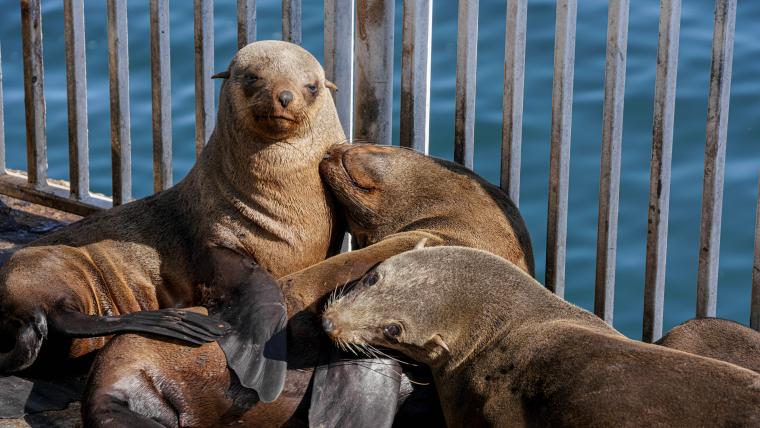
505	351
716	338
253	201
392	198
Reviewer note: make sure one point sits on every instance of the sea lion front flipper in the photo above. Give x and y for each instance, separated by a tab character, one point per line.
355	392
174	323
251	301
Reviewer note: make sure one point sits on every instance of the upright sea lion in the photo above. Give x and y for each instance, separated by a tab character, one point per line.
716	338
504	351
392	198
254	201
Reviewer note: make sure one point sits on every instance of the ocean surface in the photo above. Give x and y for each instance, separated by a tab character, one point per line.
743	154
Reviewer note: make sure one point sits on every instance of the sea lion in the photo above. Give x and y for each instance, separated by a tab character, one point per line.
505	351
716	338
253	202
392	198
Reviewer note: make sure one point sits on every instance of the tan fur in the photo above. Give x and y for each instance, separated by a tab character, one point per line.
716	338
520	356
256	189
390	229
393	190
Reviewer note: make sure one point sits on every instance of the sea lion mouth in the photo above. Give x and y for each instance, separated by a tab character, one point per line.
263	118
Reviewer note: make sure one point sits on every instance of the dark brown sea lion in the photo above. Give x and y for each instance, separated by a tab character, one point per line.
504	351
392	198
716	338
254	201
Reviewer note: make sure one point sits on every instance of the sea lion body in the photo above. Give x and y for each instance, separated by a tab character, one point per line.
504	351
255	190
384	225
716	338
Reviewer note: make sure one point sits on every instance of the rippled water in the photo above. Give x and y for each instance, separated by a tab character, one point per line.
743	156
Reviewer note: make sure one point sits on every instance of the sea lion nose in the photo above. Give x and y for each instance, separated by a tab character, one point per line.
327	325
285	98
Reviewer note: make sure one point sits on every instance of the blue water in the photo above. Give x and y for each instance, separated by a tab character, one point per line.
743	157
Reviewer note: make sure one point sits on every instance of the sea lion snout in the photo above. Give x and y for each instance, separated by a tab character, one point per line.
285	97
21	340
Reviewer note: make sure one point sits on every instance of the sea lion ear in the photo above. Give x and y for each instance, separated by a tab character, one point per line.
221	75
330	85
438	340
420	245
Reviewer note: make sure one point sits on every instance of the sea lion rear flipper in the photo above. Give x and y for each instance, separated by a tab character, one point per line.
251	301
174	323
350	391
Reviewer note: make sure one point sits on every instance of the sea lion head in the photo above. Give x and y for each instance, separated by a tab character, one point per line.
408	303
273	91
385	188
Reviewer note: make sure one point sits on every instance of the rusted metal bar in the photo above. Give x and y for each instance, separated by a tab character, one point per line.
612	139
659	175
118	73
2	118
514	83
339	56
373	78
559	164
754	315
203	25
291	21
246	22
76	92
715	156
34	97
160	73
415	74
467	61
54	194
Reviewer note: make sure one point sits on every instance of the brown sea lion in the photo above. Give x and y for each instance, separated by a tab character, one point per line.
392	198
254	201
504	351
716	338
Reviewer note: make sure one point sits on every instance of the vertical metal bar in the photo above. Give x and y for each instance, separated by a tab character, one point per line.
559	164
291	21
659	176
339	56
2	119
467	61
34	98
205	117
514	83
715	156
160	73
754	316
76	91
246	22
612	138
118	75
415	74
373	71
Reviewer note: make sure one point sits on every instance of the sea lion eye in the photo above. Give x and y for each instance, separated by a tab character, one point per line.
250	78
392	331
371	278
312	88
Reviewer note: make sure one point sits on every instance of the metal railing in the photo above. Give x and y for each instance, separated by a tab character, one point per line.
359	59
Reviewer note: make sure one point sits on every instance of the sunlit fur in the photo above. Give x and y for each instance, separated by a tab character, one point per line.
504	351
